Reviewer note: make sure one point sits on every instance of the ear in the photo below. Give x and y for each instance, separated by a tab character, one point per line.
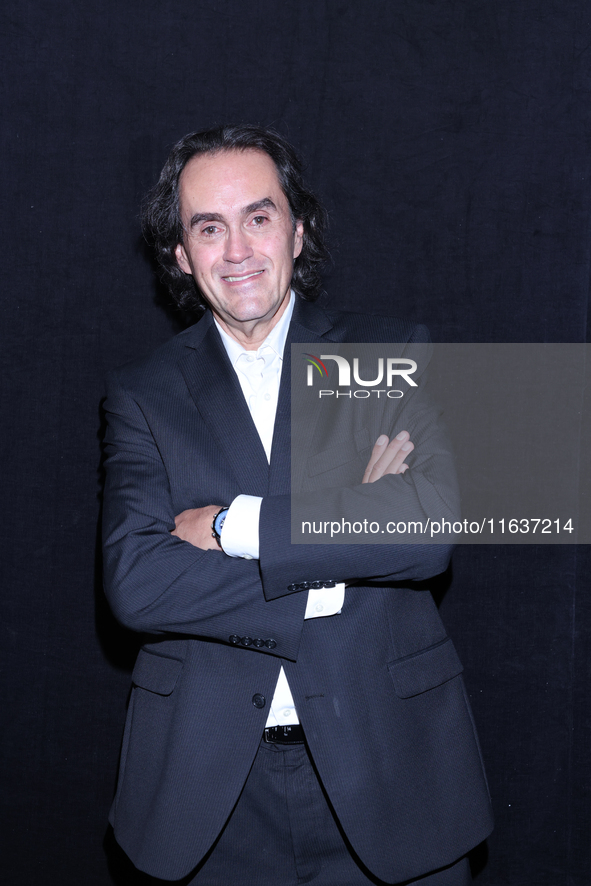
298	241
182	259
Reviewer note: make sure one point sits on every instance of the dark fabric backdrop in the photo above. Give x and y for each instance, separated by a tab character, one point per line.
450	141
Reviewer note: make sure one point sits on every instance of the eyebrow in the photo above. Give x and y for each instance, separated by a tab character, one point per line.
265	203
199	217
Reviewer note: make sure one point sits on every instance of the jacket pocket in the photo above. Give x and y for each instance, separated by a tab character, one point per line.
156	673
425	669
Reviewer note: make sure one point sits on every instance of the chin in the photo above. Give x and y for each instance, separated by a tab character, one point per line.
252	310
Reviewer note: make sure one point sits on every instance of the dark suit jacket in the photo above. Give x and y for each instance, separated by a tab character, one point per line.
377	688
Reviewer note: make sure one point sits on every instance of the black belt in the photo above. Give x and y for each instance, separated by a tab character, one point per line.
293	734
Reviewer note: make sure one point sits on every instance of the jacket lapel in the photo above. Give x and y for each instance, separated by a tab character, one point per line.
217	394
308	324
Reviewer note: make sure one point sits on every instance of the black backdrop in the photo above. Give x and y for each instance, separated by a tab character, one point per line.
450	141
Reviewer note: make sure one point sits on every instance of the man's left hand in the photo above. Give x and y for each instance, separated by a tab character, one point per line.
387	457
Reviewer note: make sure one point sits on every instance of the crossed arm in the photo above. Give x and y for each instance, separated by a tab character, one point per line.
387	457
157	584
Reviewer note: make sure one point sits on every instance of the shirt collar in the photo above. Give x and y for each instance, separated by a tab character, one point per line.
275	340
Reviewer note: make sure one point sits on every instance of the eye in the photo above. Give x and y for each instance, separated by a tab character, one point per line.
209	230
259	220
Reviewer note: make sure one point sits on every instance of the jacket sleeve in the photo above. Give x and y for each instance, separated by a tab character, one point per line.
285	566
154	581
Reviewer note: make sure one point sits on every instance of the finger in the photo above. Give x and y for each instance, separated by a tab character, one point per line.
376	452
399	459
392	458
382	455
391	462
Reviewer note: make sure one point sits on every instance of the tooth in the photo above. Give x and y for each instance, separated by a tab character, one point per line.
244	277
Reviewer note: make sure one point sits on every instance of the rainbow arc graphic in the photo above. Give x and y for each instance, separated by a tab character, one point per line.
312	360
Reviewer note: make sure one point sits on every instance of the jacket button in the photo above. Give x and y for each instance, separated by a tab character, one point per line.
258	642
234	639
292	588
246	641
316	585
270	643
259	700
304	586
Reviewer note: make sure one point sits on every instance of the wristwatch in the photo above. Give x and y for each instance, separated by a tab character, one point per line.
218	524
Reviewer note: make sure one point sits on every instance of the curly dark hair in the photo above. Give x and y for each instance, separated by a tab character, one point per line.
161	222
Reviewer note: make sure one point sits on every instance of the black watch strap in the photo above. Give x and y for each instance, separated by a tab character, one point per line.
217	524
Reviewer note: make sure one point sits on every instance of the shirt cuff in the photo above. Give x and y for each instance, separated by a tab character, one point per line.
325	601
240	533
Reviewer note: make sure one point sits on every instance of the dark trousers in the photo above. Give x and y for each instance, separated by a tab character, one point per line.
282	832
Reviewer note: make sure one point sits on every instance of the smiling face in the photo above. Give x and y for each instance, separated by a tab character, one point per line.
239	240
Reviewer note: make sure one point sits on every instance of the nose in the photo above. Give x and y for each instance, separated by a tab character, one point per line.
238	247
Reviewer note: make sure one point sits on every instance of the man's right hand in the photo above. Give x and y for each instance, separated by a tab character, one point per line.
388	458
194	526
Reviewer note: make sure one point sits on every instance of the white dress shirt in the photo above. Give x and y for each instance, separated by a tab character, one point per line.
259	374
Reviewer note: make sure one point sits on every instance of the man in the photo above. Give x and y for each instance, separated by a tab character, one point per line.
297	712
